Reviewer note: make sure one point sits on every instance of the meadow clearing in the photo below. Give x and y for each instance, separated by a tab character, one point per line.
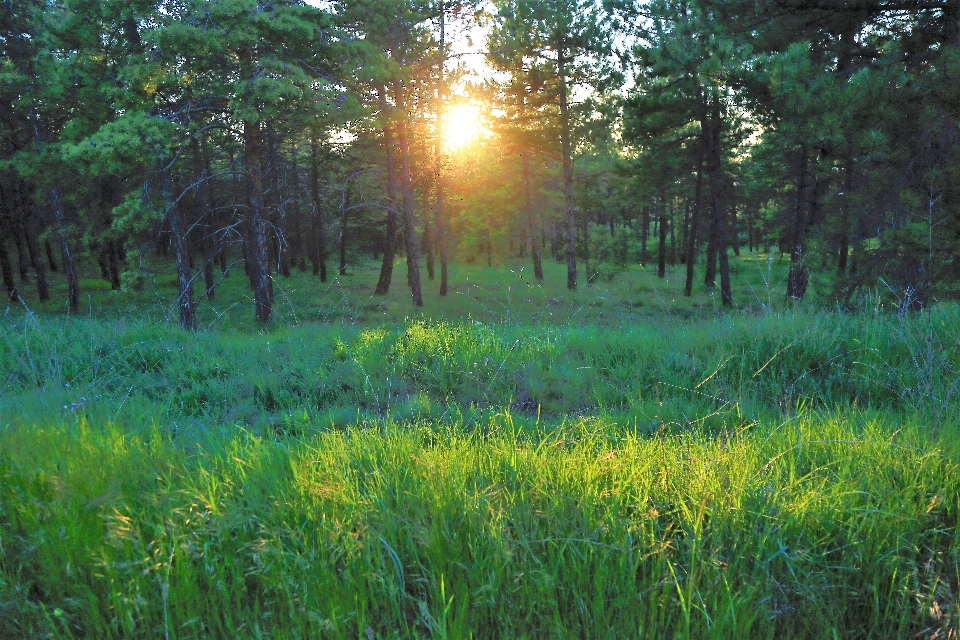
514	461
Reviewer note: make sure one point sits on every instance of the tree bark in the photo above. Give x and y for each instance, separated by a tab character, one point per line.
184	273
662	249
49	250
344	211
73	284
566	151
33	248
843	250
8	282
390	241
672	258
531	218
735	229
113	261
406	189
443	227
710	271
257	252
644	234
24	259
207	251
318	235
713	125
798	275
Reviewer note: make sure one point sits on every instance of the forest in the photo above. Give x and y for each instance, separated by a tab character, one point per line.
280	136
479	319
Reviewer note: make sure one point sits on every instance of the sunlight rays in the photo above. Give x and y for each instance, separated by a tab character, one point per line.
462	124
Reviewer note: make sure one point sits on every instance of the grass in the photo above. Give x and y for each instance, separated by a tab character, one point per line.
503	293
634	465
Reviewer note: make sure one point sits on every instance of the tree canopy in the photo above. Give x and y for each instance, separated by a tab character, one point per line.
272	135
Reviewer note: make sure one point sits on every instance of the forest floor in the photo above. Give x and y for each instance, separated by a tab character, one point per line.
513	461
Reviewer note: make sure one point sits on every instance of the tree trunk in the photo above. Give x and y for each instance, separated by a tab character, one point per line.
49	250
73	284
179	238
713	125
278	205
295	219
406	190
531	217
33	248
844	249
318	234
710	272
8	282
798	276
735	230
662	249
201	170
672	259
390	240
344	211
428	234
113	261
24	259
685	231
565	147
586	250
443	226
257	252
429	214
644	234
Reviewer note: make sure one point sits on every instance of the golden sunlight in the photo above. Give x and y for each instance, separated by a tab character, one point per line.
461	125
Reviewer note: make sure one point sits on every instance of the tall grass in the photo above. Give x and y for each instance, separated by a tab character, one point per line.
823	526
767	474
760	367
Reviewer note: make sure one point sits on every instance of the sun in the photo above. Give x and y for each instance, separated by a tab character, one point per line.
461	125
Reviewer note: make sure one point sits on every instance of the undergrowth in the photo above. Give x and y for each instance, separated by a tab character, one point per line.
764	474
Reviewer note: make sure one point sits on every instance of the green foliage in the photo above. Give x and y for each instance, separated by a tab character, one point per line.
768	473
828	526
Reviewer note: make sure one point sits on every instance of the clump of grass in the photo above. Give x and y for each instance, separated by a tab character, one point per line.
755	367
825	526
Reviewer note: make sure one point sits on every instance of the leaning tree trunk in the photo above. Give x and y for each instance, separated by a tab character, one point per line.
257	253
406	189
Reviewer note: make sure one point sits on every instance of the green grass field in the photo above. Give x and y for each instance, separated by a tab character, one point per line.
514	461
